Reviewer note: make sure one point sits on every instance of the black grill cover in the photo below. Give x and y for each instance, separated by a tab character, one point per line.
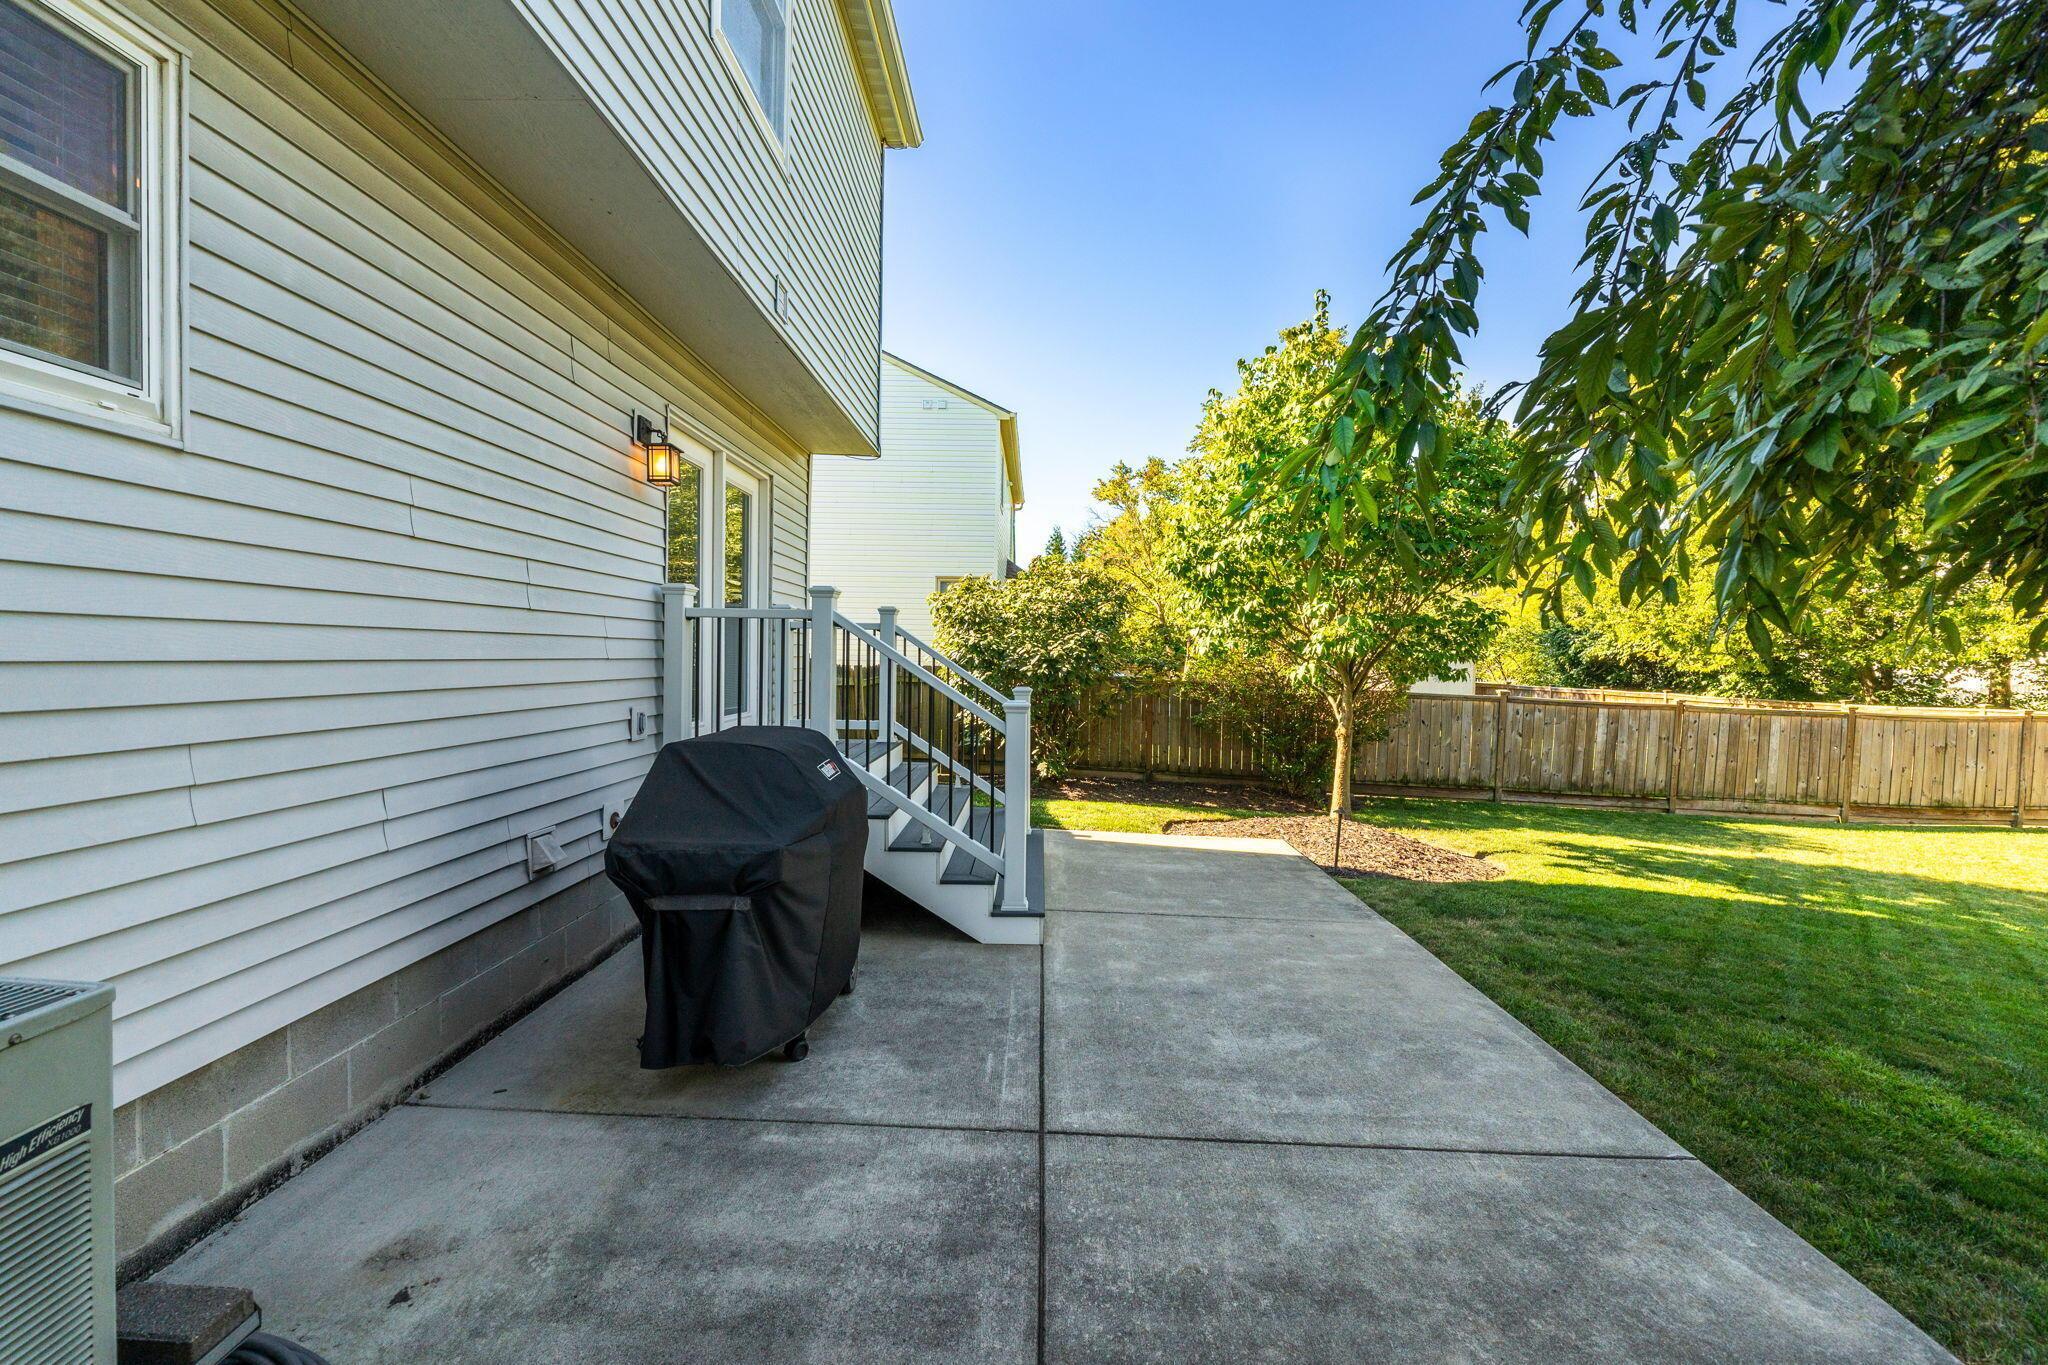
742	855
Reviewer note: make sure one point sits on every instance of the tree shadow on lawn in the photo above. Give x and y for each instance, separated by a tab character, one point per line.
1842	1022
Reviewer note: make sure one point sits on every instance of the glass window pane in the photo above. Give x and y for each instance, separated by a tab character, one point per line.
738	684
54	283
63	107
757	30
739	533
685	527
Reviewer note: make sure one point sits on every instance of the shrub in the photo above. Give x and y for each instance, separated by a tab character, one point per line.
1288	726
1055	628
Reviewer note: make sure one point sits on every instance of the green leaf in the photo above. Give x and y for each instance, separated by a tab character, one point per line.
1963	429
1759	636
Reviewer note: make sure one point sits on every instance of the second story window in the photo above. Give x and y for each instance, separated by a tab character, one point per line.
84	261
756	33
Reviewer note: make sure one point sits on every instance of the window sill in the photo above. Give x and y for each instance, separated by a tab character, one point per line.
54	408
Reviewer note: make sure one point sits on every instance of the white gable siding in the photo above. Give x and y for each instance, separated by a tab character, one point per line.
883	531
277	709
816	221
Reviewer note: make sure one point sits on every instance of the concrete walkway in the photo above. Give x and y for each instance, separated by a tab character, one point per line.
1226	1114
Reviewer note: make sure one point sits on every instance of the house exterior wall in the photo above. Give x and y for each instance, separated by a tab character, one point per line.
933	506
811	215
279	702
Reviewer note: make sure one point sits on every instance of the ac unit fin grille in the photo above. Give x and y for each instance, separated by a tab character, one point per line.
46	1257
23	997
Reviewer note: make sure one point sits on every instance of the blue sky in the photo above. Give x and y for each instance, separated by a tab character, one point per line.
1116	200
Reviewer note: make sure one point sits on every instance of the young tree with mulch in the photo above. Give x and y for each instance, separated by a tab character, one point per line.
1357	610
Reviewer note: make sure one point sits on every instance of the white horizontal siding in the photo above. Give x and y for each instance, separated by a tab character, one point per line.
884	531
277	709
654	68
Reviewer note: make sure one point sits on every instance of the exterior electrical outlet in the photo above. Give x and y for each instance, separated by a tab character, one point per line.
56	1172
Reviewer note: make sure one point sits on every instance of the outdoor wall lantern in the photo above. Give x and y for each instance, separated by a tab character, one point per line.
664	461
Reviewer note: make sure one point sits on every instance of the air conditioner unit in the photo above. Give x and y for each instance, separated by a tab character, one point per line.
56	1173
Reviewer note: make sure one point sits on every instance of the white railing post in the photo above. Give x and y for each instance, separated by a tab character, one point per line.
678	662
824	680
1017	803
886	631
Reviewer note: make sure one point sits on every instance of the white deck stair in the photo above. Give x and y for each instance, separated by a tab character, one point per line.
941	753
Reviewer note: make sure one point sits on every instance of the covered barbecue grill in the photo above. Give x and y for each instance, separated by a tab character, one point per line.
742	855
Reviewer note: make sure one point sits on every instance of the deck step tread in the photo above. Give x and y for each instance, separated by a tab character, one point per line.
867	752
963	868
947	801
904	777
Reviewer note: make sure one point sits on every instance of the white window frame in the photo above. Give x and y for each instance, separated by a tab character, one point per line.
152	405
778	138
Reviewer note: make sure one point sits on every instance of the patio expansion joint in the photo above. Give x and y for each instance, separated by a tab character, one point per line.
1530	1153
1332	918
1043	1131
1042	1253
765	1120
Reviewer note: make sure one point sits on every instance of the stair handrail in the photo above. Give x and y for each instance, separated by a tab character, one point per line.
1014	719
919	812
945	760
992	719
954	665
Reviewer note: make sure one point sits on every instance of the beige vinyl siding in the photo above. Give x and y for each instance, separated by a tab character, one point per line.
278	708
655	69
884	531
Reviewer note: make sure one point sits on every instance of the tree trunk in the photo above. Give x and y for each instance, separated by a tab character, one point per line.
1340	764
2001	684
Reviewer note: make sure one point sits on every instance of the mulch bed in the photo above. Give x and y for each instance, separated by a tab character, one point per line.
1368	851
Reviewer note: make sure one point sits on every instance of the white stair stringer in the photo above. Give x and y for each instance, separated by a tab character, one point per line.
917	873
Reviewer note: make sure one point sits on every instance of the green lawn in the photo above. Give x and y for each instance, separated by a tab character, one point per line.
1849	1024
1125	817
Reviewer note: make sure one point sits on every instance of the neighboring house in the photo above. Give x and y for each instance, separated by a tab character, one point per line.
949	454
1460	683
328	563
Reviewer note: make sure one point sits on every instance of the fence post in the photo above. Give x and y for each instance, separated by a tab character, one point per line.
1500	745
1017	803
2019	800
1677	757
678	662
886	631
1851	721
824	676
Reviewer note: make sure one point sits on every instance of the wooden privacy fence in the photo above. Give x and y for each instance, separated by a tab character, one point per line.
1847	762
1159	734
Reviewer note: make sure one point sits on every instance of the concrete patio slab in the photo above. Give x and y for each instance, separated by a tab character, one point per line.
1272	1131
1302	1032
940	1032
466	1235
1178	1251
1152	874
